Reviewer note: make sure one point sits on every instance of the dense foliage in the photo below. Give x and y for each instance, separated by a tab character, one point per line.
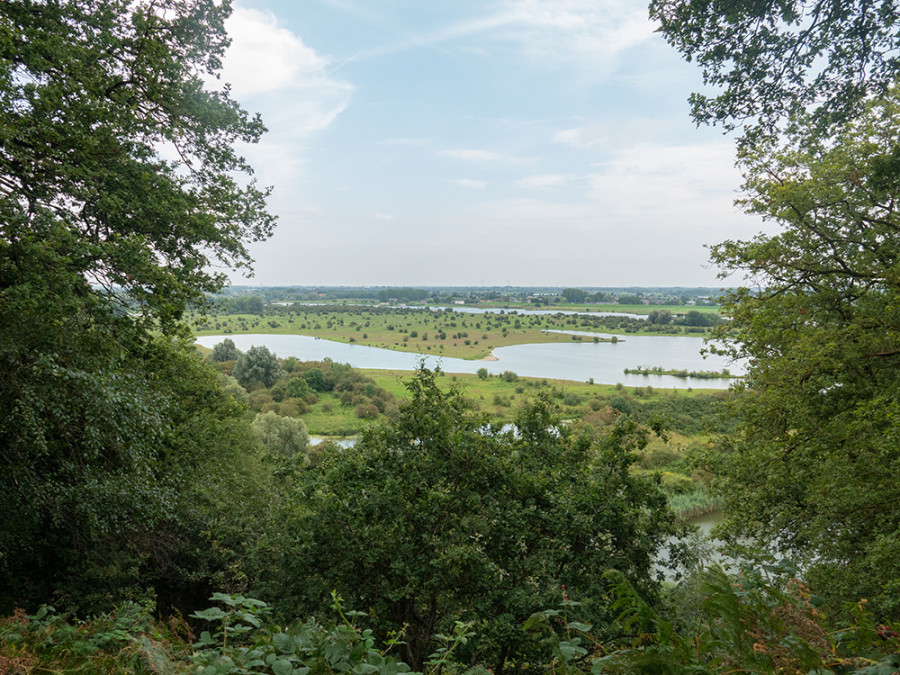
763	621
108	425
820	405
438	517
772	58
810	469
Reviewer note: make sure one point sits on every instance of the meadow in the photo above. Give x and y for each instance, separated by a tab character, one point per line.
442	332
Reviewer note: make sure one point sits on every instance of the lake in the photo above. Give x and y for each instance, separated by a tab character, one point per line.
579	361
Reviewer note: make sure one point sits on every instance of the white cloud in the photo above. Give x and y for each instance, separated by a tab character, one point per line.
264	57
266	60
678	183
273	72
383	216
606	136
542	180
471	184
583	137
591	32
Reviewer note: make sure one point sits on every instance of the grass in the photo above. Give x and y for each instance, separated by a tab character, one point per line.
501	398
329	418
694	504
446	333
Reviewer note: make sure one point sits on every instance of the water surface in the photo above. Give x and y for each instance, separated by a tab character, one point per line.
605	362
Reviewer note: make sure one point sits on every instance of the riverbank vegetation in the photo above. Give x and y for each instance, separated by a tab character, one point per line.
443	332
696	374
335	400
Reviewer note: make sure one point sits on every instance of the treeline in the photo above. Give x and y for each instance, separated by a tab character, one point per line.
474	296
697	374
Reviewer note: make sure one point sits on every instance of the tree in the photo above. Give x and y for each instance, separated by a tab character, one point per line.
315	378
246	305
574	295
659	316
773	58
813	467
112	476
281	435
297	387
225	351
695	318
810	468
257	366
106	418
439	517
91	93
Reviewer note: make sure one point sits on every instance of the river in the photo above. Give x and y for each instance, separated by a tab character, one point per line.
605	362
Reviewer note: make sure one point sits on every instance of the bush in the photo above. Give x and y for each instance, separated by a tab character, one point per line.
297	387
285	436
621	404
366	411
292	407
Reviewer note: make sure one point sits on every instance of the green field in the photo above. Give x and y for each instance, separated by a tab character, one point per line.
441	332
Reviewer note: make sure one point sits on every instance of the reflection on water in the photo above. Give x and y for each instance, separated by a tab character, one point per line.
342	441
707	521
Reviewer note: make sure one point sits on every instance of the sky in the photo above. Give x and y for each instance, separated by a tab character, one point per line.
479	143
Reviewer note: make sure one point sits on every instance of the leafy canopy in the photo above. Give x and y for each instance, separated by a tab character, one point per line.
813	83
257	366
438	517
119	191
814	465
116	162
773	58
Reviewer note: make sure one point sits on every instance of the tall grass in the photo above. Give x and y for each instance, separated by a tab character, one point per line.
693	504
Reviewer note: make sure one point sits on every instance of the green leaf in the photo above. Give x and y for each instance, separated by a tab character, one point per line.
283	642
283	667
211	614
